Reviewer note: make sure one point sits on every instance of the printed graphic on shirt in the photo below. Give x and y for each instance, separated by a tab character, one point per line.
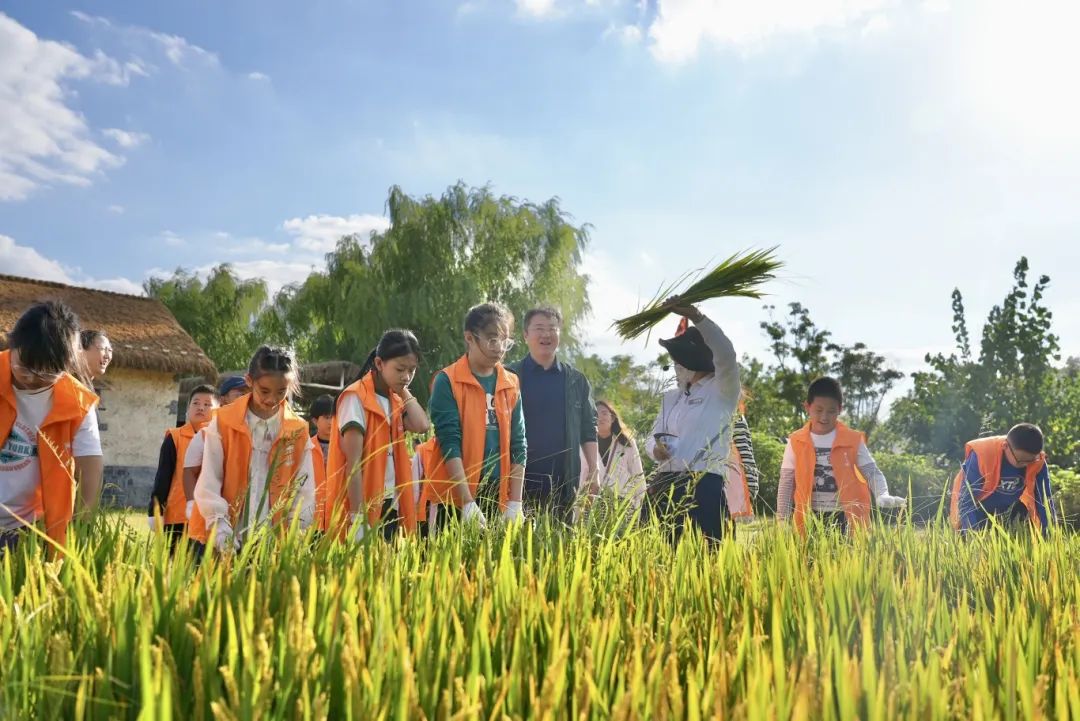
1011	484
492	418
19	450
824	476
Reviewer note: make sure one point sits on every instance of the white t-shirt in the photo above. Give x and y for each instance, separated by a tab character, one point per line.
20	469
350	411
194	453
825	498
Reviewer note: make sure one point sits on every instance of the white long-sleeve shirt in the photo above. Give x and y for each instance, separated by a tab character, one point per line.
701	419
208	496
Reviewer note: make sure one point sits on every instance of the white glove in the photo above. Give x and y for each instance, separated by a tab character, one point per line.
887	501
359	522
187	509
225	540
151	521
471	513
513	512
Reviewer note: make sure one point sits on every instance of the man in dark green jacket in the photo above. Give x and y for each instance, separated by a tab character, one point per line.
560	417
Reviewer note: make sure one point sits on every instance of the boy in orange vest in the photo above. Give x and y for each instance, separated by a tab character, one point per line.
1003	476
48	426
827	468
168	502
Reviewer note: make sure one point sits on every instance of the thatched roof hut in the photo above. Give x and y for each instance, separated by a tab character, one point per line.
138	393
144	334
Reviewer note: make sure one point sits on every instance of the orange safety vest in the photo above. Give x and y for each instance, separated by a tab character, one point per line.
287	453
852	488
382	437
989	452
71	402
318	461
736	487
472	410
176	504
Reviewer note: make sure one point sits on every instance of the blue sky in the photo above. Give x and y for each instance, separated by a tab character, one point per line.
892	149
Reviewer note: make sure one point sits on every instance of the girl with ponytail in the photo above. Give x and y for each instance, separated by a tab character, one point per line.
369	473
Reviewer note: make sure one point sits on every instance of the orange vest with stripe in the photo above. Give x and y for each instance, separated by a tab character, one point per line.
989	453
472	411
852	489
286	457
383	437
71	402
176	505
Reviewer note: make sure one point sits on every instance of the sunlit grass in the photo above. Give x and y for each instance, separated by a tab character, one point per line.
545	622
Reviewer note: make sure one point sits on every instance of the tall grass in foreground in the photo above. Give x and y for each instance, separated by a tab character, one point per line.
546	623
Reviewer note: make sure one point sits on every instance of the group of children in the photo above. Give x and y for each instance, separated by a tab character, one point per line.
244	460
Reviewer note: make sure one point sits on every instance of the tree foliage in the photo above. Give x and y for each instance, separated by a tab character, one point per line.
1013	379
219	313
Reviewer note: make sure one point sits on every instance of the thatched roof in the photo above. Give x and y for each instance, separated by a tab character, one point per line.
144	334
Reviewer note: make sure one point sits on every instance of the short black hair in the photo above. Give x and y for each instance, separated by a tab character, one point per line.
322	406
825	387
200	389
546	310
45	335
1026	437
87	337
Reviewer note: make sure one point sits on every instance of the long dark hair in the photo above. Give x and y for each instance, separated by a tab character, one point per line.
395	343
618	432
44	335
271	359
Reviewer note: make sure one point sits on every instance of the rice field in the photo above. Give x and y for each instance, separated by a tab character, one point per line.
546	623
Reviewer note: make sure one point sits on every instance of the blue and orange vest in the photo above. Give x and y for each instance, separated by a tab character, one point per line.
989	452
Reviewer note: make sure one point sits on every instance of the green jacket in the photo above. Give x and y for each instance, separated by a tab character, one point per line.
580	421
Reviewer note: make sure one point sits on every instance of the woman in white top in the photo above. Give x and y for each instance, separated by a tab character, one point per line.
691	437
620	469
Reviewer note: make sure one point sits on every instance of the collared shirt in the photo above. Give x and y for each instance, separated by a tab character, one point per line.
208	489
700	419
543	394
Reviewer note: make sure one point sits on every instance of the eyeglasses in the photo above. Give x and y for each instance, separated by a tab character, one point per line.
546	329
494	342
49	378
1020	461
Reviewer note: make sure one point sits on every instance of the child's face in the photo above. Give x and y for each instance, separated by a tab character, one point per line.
493	342
823	413
268	392
397	373
200	408
323	426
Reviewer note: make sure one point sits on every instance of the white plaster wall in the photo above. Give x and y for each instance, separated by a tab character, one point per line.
136	408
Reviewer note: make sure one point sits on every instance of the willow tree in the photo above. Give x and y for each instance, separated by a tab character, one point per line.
439	257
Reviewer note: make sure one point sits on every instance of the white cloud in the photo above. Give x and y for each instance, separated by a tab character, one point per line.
178	50
171	239
24	261
43	140
257	76
276	273
537	8
626	34
126	138
320	233
116	209
680	27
